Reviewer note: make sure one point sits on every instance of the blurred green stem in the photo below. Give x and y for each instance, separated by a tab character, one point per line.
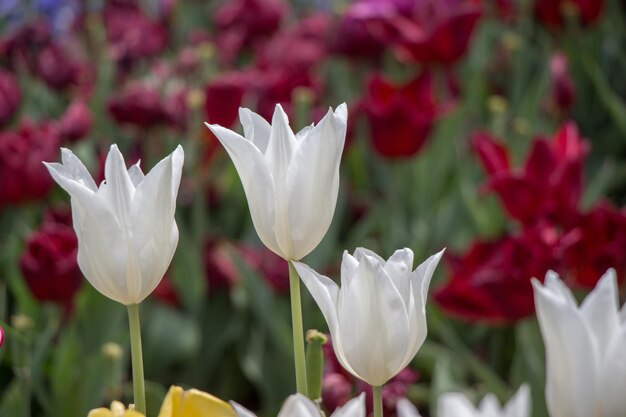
315	362
297	330
139	389
377	400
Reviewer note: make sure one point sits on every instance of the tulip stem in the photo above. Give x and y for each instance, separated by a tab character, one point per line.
297	330
139	389
377	400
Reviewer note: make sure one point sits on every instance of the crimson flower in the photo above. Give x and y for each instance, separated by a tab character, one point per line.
436	31
548	185
552	13
400	117
76	122
49	264
491	281
23	176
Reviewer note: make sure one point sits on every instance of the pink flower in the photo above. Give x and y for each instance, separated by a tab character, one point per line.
76	122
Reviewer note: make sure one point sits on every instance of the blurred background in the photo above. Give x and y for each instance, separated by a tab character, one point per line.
495	128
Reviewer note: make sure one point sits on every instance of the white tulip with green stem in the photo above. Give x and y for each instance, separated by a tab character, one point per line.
291	183
127	234
377	318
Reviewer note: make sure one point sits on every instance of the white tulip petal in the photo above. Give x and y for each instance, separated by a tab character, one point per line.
613	376
570	356
353	408
241	410
303	133
76	169
118	189
255	128
313	172
376	342
136	174
349	267
489	406
257	183
361	253
399	267
519	405
454	404
298	405
600	310
405	408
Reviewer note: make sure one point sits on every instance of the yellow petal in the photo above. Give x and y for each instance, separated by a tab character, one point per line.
117	410
194	403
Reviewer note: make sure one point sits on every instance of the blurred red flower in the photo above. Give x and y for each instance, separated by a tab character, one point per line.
10	96
49	264
76	122
400	117
138	105
354	36
553	13
491	281
57	68
246	23
23	176
268	265
563	92
224	95
166	293
221	272
436	31
549	184
131	34
600	245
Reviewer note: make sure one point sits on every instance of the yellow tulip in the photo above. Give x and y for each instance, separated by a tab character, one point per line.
193	403
117	410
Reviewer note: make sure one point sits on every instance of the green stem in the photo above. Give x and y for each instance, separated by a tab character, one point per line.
297	330
139	389
377	400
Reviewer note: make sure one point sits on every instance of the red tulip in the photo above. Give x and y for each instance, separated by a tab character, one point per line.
491	281
552	13
435	32
49	264
138	105
76	122
549	184
23	176
224	95
400	117
57	68
563	93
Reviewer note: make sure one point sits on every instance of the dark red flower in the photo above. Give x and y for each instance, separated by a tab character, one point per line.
57	68
23	177
354	36
76	122
131	34
491	281
1	336
245	23
563	92
49	264
549	184
138	105
221	272
336	390
553	13
20	46
166	293
224	95
600	246
10	96
435	32
400	117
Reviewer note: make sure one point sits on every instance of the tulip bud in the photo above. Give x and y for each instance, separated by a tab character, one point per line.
117	410
585	348
180	403
377	318
126	229
300	406
291	181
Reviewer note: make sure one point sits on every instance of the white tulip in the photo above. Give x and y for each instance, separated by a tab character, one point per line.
298	405
457	405
377	320
126	230
291	181
585	348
